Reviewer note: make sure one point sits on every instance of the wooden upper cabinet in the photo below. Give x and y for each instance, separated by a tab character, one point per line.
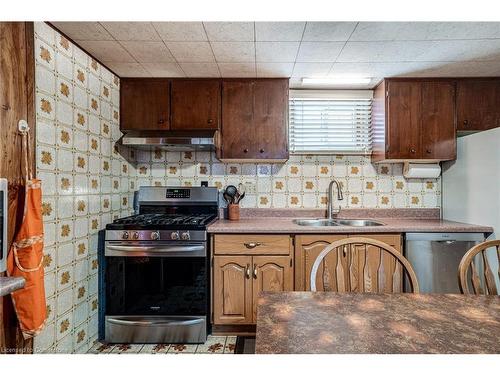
144	104
414	120
196	104
403	120
255	119
478	104
438	121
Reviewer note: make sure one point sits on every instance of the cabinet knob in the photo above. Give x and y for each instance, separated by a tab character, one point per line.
428	151
466	122
161	121
412	150
245	150
210	121
261	150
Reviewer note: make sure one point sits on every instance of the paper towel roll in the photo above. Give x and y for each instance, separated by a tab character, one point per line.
416	170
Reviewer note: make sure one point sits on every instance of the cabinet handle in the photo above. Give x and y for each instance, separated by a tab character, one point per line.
210	121
466	122
412	150
247	271
245	150
261	150
252	245
254	271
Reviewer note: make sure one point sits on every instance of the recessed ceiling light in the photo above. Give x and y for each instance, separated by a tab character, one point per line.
336	81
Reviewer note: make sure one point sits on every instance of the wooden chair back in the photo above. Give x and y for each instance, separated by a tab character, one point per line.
362	265
479	277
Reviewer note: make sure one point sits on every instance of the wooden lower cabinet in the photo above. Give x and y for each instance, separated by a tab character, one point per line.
308	247
232	290
271	274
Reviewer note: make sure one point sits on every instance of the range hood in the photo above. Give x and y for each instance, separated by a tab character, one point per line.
192	140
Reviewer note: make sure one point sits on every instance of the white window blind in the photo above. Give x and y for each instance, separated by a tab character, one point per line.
330	121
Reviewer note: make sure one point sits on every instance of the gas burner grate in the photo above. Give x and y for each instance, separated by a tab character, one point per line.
166	219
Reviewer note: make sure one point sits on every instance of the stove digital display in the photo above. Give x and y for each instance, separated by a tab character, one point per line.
178	193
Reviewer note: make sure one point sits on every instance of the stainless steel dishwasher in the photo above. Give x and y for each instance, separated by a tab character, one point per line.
435	258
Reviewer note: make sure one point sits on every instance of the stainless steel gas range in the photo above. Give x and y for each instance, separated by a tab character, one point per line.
154	282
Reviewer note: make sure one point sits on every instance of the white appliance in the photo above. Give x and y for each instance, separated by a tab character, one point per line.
471	184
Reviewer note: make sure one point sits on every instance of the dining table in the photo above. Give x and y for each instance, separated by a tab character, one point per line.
365	323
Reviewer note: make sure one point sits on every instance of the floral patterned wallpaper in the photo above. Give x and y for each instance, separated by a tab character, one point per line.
301	182
85	183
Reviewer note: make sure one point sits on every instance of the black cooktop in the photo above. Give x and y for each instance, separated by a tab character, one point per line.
163	221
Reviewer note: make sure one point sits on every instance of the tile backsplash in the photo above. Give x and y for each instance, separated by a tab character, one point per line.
301	182
77	109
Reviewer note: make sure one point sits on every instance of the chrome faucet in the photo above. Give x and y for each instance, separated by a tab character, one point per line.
330	210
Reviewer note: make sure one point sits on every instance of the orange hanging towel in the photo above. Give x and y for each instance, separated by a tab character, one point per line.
25	259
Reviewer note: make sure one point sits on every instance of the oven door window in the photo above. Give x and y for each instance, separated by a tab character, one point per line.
156	285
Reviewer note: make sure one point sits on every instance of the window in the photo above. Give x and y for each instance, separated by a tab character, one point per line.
330	121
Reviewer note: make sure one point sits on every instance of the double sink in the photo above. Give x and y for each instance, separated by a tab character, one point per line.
337	222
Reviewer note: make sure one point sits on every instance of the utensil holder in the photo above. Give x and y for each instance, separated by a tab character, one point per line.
233	211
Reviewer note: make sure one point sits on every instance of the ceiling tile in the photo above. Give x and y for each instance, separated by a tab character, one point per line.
237	69
131	30
181	31
457	69
311	70
200	69
230	31
164	69
276	51
374	69
107	51
274	69
380	31
148	51
128	69
446	50
279	31
319	51
83	30
191	51
328	31
234	51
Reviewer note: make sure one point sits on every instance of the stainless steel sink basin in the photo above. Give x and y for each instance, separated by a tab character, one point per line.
316	222
338	222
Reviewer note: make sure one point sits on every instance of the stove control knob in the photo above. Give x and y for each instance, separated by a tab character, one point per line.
155	235
135	236
125	235
185	236
174	235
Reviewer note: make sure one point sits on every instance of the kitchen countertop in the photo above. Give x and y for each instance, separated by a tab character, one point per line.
10	284
392	225
331	323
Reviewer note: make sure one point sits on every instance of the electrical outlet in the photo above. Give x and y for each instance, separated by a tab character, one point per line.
250	187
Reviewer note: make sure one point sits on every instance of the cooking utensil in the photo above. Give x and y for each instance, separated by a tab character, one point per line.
231	192
227	198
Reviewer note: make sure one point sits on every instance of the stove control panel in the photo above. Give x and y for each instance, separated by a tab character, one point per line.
178	193
156	235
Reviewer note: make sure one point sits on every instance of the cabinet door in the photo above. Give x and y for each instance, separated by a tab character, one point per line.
438	120
270	119
307	249
478	104
232	290
237	119
144	104
271	274
196	104
403	120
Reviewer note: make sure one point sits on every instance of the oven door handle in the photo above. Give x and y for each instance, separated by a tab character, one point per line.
155	323
154	251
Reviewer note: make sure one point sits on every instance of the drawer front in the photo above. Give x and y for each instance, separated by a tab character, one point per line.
244	244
